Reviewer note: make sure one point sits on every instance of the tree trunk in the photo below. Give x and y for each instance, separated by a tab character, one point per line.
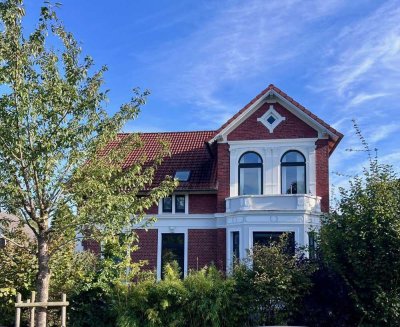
42	280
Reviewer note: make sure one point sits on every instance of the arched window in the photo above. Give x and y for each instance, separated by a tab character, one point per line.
293	173
250	174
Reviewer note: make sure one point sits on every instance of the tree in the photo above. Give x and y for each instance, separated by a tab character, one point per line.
62	166
360	239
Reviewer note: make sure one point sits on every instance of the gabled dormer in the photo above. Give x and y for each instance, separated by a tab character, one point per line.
274	146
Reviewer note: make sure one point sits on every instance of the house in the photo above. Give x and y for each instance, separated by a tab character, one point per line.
263	173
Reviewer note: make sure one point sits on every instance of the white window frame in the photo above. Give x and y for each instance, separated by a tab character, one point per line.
229	244
169	230
160	205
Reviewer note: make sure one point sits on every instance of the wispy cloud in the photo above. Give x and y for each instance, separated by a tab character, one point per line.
367	56
382	132
363	97
241	41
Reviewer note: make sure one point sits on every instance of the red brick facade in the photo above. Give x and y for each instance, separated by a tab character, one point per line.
202	203
202	248
91	245
147	248
322	173
223	175
221	245
292	127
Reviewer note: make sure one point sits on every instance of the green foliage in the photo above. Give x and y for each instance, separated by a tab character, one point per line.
17	268
278	282
361	240
269	293
202	299
61	161
328	303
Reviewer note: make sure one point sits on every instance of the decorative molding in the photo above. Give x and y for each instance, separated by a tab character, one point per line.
271	119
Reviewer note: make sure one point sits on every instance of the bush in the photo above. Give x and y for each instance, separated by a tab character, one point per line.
269	293
202	299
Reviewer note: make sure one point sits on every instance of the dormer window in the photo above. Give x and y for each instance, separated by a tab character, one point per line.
250	174
182	175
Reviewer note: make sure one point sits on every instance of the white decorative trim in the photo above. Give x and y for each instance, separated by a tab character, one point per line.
229	244
160	205
271	113
272	96
271	152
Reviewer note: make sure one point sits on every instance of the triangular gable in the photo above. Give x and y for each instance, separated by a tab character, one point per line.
273	94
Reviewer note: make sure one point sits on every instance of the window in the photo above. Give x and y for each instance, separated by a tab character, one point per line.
173	251
267	238
182	175
293	173
235	247
250	174
179	203
311	245
176	203
167	204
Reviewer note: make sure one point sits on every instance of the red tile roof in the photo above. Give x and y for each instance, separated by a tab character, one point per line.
189	151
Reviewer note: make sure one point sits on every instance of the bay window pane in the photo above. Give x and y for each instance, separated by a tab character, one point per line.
250	181
293	180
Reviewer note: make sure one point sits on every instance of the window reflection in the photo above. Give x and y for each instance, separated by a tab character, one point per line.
250	174
293	168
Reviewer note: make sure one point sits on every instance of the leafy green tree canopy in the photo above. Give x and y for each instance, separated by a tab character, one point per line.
360	238
55	173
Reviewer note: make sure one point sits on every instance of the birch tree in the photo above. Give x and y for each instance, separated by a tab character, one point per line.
62	166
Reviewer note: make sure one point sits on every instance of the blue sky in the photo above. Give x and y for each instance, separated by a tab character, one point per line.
204	60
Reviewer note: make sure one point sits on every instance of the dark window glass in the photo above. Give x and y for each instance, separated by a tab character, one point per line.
173	250
267	238
235	247
293	169
271	119
311	245
179	203
250	174
167	204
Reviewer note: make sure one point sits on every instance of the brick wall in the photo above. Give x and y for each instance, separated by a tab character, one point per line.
322	172
202	203
153	210
221	246
223	175
291	127
202	248
147	248
91	245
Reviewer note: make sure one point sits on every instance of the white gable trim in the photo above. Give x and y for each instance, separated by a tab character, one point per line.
272	97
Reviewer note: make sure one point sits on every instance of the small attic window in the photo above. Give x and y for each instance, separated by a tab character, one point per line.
271	119
182	175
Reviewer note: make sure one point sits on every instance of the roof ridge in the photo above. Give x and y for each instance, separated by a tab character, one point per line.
166	132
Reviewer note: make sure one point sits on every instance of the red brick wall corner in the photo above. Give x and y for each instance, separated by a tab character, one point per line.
223	175
322	172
